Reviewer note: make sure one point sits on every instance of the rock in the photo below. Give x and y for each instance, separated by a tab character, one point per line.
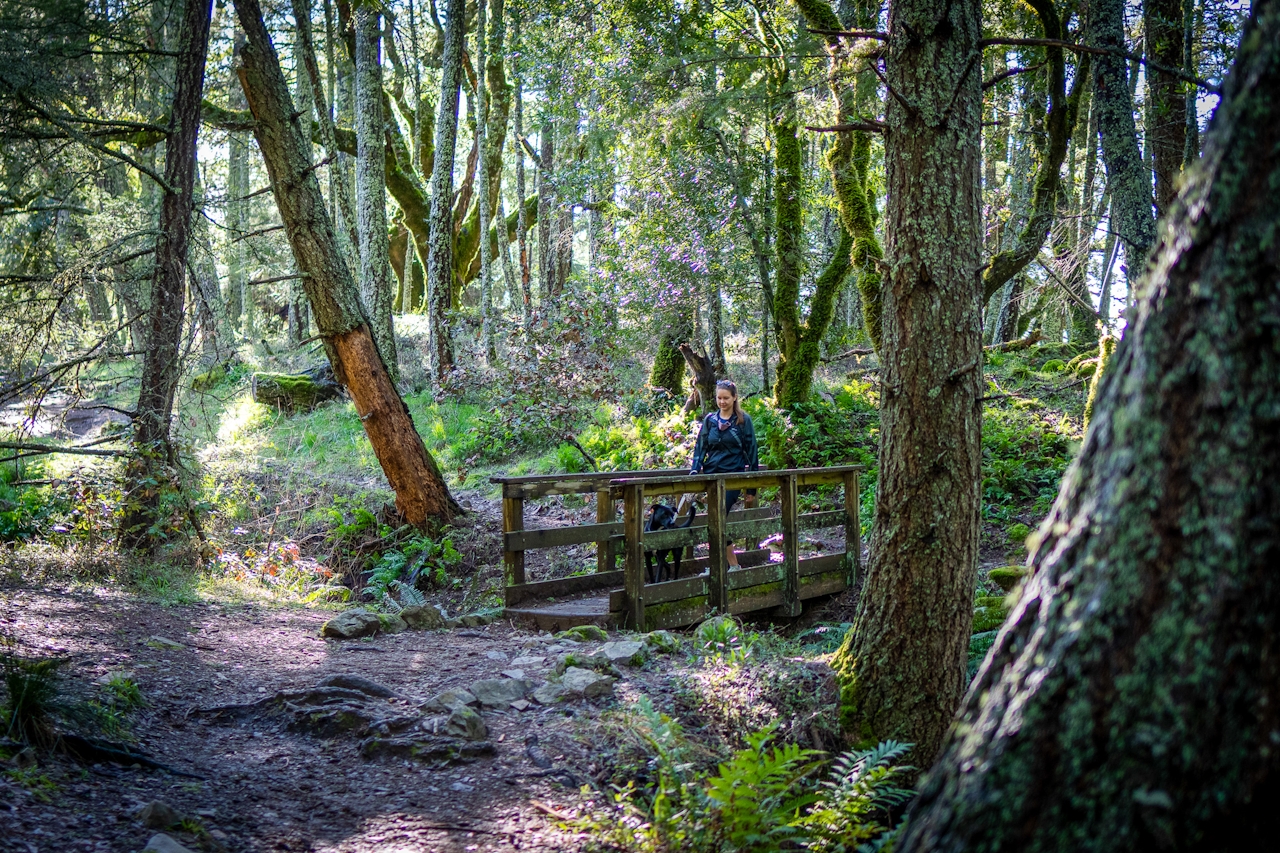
24	758
499	692
351	624
529	660
295	392
449	699
443	749
625	652
517	674
1007	577
586	683
496	655
164	643
585	660
422	618
663	641
471	621
358	683
453	623
550	692
584	634
161	843
466	723
389	623
159	815
520	705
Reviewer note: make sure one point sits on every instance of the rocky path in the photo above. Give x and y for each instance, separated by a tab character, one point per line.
252	701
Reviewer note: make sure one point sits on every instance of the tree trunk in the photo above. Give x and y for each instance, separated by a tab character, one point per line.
522	231
237	214
1060	123
902	665
668	363
704	377
546	221
1167	131
421	492
1127	178
483	203
440	253
1130	701
371	188
162	364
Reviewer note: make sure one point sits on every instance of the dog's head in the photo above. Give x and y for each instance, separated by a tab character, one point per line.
661	517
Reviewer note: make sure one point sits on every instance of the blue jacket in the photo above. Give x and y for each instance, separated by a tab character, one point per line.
722	451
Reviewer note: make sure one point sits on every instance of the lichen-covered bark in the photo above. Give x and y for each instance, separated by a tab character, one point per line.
902	665
789	219
1132	700
1059	123
1166	130
668	363
1127	179
795	371
439	254
371	187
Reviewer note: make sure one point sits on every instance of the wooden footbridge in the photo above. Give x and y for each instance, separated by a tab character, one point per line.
766	581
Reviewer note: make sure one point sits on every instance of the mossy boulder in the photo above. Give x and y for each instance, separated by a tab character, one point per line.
662	641
295	392
584	634
989	613
1007	577
209	378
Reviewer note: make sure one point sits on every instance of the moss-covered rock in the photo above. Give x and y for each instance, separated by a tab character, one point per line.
1007	577
295	392
584	634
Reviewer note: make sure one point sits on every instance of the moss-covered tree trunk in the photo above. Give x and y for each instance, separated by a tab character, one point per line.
1132	700
237	214
371	187
1167	104
902	665
439	250
421	492
162	363
1128	180
668	363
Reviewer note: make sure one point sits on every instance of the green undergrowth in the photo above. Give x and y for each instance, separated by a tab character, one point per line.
736	762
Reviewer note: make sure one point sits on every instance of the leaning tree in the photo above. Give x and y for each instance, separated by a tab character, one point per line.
1132	700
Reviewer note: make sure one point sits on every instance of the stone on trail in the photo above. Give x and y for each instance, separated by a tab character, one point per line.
584	634
586	683
389	623
663	641
496	655
625	652
597	660
520	704
499	692
351	624
159	815
443	749
529	660
517	674
158	642
449	699
550	692
161	843
466	723
422	618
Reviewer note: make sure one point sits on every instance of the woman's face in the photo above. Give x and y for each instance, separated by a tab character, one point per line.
724	401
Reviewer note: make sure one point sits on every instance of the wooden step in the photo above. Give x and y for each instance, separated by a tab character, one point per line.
562	615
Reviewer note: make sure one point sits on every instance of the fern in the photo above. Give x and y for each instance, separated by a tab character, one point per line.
862	787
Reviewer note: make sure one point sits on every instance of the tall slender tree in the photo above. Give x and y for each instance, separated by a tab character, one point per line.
371	186
155	456
440	273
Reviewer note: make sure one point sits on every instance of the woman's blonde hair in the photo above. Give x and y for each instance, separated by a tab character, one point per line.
727	385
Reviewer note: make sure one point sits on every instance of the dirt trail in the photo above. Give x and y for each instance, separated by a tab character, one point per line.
265	787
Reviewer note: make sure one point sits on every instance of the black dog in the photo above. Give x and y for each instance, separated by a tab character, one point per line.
663	517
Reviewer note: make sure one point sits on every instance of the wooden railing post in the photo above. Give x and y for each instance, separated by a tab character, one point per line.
633	573
605	513
512	520
852	528
717	542
791	605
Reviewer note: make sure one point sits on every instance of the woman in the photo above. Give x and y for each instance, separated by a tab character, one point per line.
727	443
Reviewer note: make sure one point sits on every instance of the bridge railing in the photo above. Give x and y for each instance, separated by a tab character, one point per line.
681	601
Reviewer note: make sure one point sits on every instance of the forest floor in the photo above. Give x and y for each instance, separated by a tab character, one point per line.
265	782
